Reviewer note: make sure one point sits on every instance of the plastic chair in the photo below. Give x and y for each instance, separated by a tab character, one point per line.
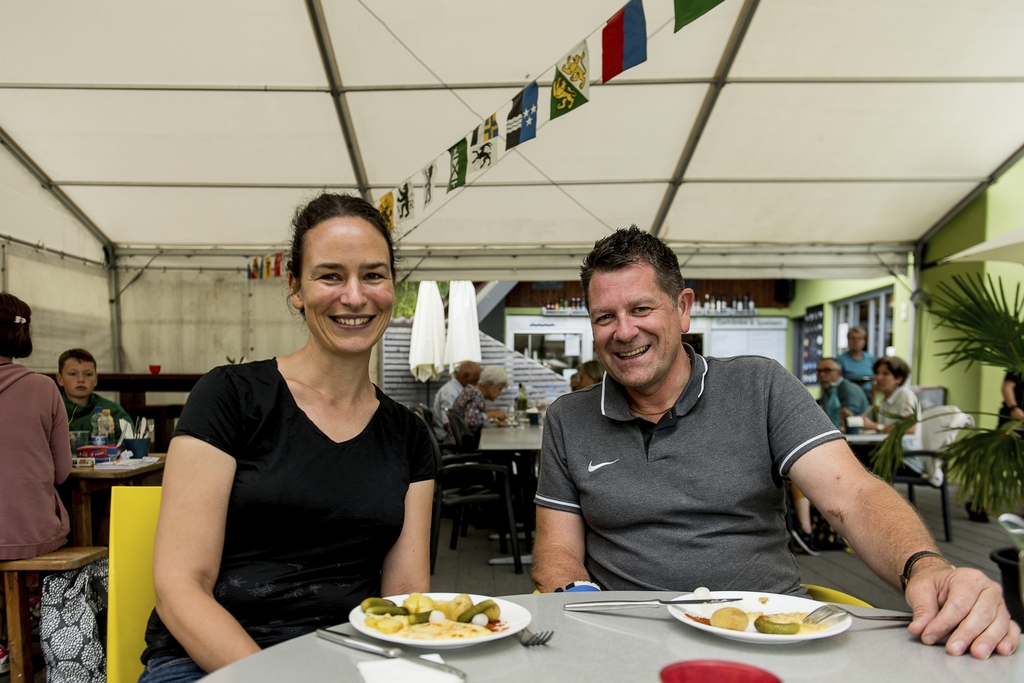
459	484
822	594
133	514
939	427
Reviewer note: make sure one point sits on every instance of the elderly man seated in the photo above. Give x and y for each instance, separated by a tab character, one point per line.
839	398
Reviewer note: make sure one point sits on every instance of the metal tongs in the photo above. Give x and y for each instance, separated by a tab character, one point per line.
604	605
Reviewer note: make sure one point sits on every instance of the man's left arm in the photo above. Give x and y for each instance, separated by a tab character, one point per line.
885	531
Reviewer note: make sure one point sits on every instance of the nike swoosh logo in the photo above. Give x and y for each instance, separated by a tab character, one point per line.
592	467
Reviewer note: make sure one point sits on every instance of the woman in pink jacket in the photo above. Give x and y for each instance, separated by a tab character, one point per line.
35	451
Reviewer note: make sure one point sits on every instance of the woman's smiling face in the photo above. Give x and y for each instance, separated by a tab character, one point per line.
345	290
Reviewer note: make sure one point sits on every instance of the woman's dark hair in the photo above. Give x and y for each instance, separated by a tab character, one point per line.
593	370
15	335
626	247
326	207
897	366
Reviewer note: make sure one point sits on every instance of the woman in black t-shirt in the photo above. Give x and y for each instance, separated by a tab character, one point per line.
294	488
1013	394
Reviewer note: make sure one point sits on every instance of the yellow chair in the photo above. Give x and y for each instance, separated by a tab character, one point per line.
133	514
822	594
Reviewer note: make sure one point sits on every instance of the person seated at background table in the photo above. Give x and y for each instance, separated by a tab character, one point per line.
591	373
671	477
294	488
467	373
857	363
76	374
837	394
574	381
471	403
35	452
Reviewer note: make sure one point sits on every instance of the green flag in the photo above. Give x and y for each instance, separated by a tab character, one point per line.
571	88
689	10
457	175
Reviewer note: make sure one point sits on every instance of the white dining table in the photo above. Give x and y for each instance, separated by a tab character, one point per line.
865	439
635	645
520	438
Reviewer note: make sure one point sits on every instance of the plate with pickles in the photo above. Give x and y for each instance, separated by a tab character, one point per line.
439	621
766	618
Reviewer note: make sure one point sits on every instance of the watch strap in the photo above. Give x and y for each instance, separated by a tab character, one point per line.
913	559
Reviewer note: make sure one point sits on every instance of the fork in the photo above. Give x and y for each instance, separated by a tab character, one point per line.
826	612
528	638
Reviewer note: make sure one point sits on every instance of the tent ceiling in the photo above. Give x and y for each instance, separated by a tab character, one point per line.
851	127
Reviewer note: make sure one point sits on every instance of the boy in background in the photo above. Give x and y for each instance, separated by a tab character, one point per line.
76	375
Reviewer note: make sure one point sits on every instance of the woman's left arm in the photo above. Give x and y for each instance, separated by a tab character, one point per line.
407	565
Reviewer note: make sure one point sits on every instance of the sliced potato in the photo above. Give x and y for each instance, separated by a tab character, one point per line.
456	606
389	625
417	602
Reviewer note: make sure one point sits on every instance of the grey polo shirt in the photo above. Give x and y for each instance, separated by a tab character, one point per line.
704	504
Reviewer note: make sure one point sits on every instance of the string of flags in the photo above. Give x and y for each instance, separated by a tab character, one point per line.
623	46
267	266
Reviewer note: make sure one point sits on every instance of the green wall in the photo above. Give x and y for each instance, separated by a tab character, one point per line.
999	210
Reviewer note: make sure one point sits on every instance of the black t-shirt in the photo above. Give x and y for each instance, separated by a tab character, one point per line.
309	520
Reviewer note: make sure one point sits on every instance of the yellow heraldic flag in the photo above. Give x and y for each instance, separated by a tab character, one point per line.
570	89
387	209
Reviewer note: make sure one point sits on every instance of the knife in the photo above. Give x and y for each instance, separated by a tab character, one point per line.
602	605
389	652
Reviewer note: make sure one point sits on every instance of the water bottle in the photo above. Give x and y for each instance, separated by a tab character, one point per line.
106	426
97	438
522	401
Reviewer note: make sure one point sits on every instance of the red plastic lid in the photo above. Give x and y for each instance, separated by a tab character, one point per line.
715	671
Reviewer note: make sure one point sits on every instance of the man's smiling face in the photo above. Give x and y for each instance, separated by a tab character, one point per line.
637	326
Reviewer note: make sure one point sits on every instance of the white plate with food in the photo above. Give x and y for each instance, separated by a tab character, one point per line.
441	632
782	612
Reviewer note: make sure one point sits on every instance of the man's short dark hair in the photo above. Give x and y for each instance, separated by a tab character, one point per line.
80	355
629	246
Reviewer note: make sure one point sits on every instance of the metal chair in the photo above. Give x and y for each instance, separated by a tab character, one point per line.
460	484
465	441
939	427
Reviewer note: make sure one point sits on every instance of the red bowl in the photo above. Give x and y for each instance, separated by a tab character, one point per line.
155	369
715	671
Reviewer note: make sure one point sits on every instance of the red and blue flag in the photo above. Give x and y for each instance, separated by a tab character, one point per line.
624	40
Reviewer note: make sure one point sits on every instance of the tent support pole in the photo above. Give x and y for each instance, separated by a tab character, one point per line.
323	42
732	48
115	314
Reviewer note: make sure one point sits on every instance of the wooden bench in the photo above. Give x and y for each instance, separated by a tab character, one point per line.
19	634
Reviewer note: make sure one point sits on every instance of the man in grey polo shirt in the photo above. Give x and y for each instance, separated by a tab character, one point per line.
668	475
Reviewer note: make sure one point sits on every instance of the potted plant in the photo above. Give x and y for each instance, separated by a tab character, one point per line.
986	462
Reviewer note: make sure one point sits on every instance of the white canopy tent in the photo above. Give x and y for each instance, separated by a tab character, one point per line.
780	138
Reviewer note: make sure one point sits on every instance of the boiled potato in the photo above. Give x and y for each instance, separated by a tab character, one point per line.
456	606
389	625
417	602
731	618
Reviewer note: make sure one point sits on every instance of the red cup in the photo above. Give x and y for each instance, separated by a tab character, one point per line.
715	671
155	369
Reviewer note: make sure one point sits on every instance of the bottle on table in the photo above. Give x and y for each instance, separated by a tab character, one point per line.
96	437
106	425
522	401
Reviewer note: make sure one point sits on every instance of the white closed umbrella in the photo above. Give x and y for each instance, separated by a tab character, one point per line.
463	326
427	343
1008	247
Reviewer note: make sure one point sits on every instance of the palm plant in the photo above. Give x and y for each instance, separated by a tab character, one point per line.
988	329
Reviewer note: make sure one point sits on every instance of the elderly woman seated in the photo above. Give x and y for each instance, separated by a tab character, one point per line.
471	403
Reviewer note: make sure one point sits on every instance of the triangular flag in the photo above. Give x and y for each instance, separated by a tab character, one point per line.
457	172
387	209
688	10
483	147
405	207
570	89
522	118
624	41
428	183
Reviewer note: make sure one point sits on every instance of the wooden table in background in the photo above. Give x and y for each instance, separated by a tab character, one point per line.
85	481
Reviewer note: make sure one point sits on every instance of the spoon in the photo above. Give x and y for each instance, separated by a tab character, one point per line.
1014	526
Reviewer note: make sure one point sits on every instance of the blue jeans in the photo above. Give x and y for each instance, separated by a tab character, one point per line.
171	670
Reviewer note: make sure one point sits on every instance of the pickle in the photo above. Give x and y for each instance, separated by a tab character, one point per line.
419	618
374	602
476	609
390	610
765	625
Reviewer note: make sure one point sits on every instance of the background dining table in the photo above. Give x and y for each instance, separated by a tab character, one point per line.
86	482
518	448
635	645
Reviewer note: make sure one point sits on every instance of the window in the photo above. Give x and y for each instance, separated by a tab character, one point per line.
873	312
